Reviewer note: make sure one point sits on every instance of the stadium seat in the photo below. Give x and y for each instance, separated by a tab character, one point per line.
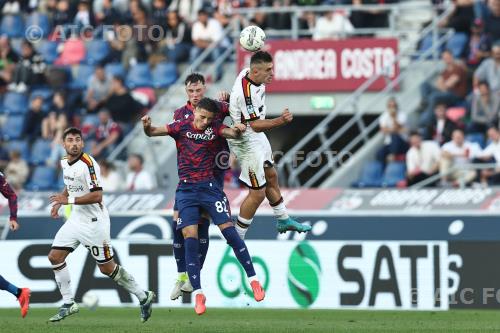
394	173
96	51
371	175
164	75
42	22
12	26
40	151
46	94
83	73
48	50
43	178
476	138
21	146
115	69
15	103
139	76
13	127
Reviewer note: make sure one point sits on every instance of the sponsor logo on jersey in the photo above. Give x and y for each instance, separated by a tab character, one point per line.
75	188
207	136
69	178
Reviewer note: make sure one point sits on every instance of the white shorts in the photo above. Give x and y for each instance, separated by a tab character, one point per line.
254	153
94	235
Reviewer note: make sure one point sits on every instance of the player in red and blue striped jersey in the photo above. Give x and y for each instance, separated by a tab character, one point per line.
195	90
197	147
22	294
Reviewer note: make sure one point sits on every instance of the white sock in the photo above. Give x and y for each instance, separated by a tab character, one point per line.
242	225
63	282
279	210
197	291
127	281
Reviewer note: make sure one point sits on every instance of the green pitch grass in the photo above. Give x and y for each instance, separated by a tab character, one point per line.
122	320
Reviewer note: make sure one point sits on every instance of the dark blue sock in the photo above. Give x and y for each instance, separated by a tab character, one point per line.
193	261
6	285
239	249
179	253
203	237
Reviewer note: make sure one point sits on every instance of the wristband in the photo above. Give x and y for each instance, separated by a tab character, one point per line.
71	200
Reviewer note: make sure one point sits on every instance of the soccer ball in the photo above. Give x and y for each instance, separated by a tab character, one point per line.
252	38
90	300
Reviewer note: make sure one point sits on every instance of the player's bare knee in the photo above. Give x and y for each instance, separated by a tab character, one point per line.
56	258
258	195
225	225
188	232
107	268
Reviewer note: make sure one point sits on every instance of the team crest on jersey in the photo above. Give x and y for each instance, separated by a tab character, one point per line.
209	131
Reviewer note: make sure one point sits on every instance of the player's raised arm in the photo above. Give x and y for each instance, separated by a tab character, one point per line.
233	132
262	125
151	130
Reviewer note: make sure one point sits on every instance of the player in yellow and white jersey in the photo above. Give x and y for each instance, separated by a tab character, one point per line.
88	224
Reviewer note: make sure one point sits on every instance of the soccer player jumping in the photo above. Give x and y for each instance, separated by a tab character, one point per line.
197	148
195	90
88	224
247	106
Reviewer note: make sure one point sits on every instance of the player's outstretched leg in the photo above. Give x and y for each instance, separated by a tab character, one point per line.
57	257
22	294
273	194
127	281
241	252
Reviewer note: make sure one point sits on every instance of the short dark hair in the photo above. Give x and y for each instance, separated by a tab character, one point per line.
483	83
193	78
71	130
415	132
119	78
261	57
208	104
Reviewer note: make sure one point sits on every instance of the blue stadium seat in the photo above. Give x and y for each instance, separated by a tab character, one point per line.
371	175
13	127
21	146
84	72
15	103
96	51
48	50
394	173
12	26
139	76
43	178
40	152
46	94
41	21
476	138
164	75
115	69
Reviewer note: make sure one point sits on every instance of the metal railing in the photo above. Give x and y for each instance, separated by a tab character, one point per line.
291	170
